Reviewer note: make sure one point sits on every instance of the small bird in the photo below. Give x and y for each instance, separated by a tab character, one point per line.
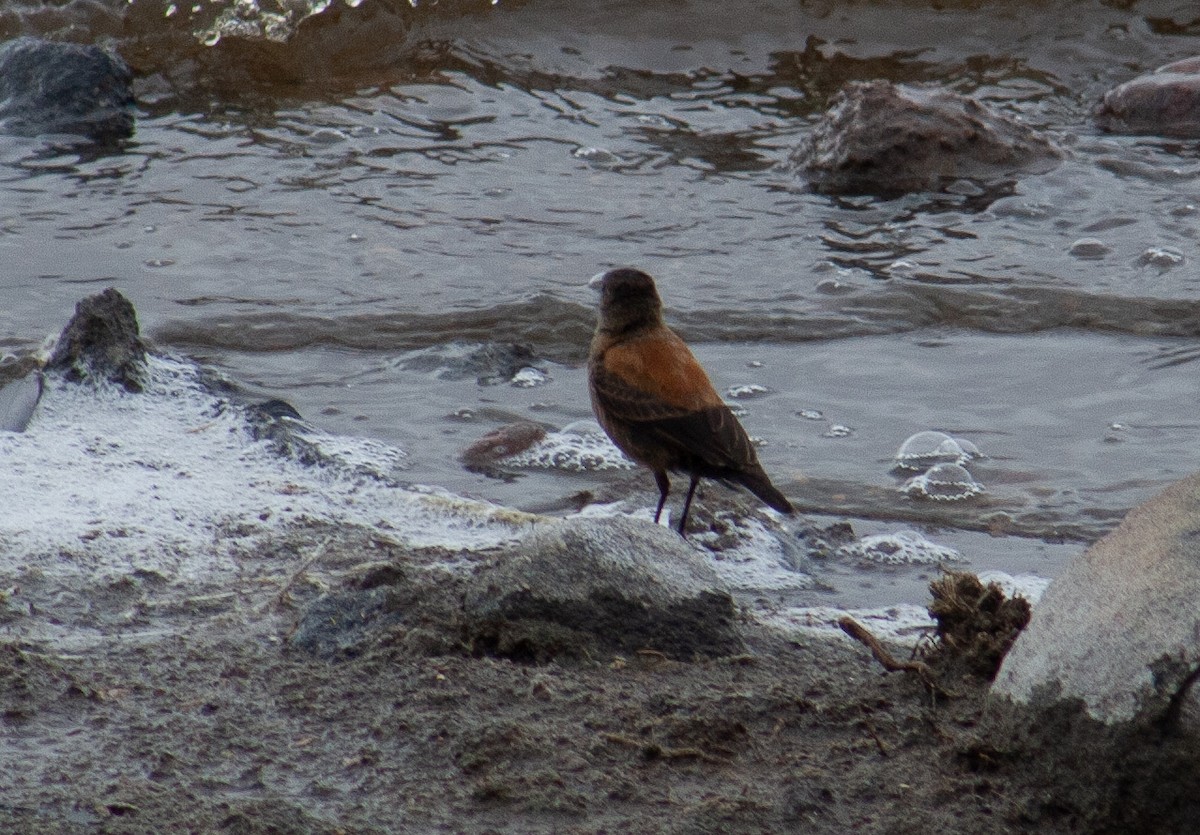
656	403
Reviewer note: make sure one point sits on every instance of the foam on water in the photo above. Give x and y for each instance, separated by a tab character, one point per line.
577	448
166	480
905	547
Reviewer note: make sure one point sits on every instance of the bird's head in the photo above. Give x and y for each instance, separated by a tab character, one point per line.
628	300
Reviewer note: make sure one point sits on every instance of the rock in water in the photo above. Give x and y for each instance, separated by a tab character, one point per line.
1120	629
18	400
582	586
1165	102
101	343
883	138
64	88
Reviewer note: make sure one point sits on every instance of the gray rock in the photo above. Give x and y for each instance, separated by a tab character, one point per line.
101	343
883	138
48	87
1120	629
18	400
1165	102
580	586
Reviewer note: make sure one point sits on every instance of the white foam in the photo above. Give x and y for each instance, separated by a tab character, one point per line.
903	547
578	448
169	480
1029	586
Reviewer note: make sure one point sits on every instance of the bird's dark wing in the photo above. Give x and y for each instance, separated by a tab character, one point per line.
712	443
621	401
710	440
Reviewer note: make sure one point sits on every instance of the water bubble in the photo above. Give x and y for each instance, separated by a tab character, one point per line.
1161	257
811	414
838	431
903	268
1089	248
924	449
905	547
528	377
754	364
738	409
654	120
746	391
833	287
595	156
943	483
327	136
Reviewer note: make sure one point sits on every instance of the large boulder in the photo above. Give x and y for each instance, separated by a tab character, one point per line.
48	87
1165	102
595	585
883	138
1120	629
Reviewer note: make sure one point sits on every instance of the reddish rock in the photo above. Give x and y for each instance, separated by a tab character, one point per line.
1165	102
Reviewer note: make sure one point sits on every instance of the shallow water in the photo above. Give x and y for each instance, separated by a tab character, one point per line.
314	217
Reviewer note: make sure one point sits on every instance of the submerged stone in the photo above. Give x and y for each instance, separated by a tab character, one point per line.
883	138
101	343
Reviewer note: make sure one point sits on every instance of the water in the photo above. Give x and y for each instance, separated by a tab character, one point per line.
311	215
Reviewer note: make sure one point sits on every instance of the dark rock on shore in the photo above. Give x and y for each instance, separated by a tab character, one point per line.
102	342
884	138
574	588
48	87
1165	102
602	585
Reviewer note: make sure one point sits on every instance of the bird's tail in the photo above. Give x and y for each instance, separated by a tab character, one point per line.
761	486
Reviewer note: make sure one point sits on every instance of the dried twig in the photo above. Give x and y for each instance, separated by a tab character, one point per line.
861	634
654	751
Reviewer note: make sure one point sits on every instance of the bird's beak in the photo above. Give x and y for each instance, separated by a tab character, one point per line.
595	281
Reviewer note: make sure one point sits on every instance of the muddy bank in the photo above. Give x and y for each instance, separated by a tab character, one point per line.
214	618
222	729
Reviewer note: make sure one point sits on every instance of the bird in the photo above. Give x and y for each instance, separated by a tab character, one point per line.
655	401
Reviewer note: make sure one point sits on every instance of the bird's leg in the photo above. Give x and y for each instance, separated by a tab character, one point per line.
664	487
687	503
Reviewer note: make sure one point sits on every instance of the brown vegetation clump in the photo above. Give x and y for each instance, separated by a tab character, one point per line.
976	624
